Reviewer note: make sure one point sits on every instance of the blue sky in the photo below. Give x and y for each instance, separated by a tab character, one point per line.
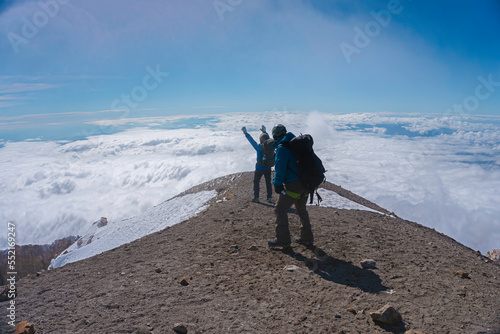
65	62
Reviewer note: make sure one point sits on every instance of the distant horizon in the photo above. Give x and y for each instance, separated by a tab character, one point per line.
442	172
62	132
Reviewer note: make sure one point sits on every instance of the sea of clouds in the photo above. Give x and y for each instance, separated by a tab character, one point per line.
440	171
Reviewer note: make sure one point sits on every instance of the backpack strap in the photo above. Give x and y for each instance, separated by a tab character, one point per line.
295	195
317	196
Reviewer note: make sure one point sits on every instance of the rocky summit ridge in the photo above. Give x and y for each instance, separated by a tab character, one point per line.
368	272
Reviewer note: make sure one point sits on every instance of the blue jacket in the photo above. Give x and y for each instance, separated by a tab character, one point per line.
285	166
260	153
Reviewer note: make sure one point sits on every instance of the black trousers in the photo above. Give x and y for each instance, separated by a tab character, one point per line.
256	182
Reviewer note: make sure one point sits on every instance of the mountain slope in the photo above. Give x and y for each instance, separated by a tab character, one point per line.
238	285
32	258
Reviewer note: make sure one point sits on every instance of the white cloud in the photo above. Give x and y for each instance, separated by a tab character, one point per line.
21	87
447	181
18	92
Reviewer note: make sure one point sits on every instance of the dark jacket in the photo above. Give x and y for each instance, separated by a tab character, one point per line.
285	165
260	153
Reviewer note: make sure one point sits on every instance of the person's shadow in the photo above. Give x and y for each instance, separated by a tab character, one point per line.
339	271
268	204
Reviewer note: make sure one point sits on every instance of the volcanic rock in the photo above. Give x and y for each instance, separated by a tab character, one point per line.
368	264
180	329
102	222
494	255
25	328
184	281
387	315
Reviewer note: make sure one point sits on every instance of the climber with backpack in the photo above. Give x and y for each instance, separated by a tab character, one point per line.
298	173
265	160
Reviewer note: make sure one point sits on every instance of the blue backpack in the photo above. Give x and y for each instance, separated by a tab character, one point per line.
311	169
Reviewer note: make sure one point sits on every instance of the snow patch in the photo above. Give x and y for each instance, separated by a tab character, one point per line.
334	200
100	238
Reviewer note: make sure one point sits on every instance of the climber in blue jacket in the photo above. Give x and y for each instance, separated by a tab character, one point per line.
263	165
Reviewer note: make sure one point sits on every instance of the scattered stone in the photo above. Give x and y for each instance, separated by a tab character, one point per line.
4	295
253	248
352	310
462	292
291	267
158	270
184	281
79	242
122	273
412	331
337	316
103	222
25	328
38	273
233	249
387	315
462	274
494	255
180	329
368	264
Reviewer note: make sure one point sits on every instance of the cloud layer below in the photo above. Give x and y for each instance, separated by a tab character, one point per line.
442	172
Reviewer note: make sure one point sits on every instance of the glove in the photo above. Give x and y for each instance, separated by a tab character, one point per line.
263	128
278	189
244	129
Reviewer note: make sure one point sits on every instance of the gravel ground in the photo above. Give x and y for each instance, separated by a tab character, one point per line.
238	285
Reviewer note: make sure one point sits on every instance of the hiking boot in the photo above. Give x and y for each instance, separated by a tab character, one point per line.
256	200
276	243
299	240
